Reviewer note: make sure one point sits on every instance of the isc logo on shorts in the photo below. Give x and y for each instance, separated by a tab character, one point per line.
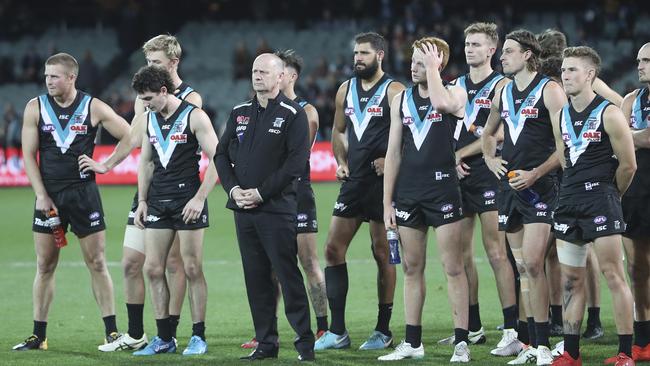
94	223
589	185
179	138
529	112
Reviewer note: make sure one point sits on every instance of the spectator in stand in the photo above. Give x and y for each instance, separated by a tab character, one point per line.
241	61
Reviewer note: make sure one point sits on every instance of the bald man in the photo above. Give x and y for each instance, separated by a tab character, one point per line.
262	153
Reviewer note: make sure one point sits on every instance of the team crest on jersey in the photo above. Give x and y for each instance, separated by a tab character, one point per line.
407	121
591	136
592	123
278	122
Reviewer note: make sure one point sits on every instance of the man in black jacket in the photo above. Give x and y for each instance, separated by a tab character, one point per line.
264	149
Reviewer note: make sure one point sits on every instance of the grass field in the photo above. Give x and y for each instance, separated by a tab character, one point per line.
75	327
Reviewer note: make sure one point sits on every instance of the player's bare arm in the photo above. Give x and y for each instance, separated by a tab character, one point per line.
202	129
339	143
621	139
30	147
393	161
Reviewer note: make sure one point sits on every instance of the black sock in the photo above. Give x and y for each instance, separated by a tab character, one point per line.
625	344
135	312
522	332
460	335
164	329
510	317
414	335
642	333
572	345
532	334
40	329
542	332
474	318
556	315
593	316
321	323
336	278
383	318
110	325
198	329
173	323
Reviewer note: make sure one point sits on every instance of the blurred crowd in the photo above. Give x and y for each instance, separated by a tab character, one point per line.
401	22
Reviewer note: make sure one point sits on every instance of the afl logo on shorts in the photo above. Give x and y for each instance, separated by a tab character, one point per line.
407	121
447	207
301	217
600	220
541	206
94	215
489	194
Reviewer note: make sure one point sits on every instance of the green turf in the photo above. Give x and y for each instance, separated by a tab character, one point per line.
75	327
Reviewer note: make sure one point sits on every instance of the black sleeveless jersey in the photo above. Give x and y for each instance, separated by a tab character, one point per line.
639	120
590	161
306	175
529	139
477	109
428	145
175	152
183	91
64	134
367	115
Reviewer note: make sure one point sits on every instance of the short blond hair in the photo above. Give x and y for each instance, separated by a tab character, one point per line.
166	43
440	44
66	60
489	29
585	53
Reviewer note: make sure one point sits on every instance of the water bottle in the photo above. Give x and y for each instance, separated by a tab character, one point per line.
393	246
476	130
527	194
57	229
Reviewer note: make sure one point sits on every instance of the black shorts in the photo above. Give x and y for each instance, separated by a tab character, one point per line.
581	218
361	199
515	211
479	195
134	206
306	221
79	206
168	214
636	213
436	210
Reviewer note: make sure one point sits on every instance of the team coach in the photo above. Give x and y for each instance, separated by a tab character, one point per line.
261	155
